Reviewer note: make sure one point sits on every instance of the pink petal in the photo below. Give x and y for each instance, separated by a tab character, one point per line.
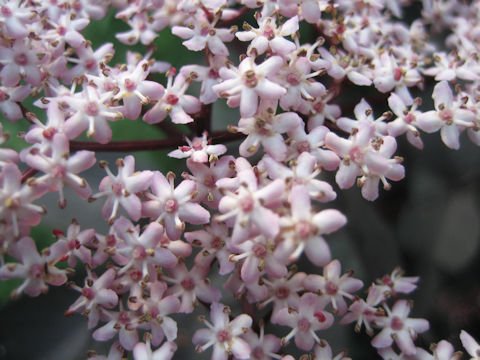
248	102
329	220
240	348
318	251
194	214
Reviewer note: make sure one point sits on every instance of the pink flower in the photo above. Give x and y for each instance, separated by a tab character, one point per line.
21	59
91	113
191	286
200	33
9	99
143	351
264	347
122	189
79	243
245	84
16	199
174	102
37	270
303	171
213	243
223	334
265	128
305	229
208	75
205	178
313	144
87	61
96	294
406	121
249	206
135	90
61	169
333	287
143	27
449	116
123	323
155	308
172	206
396	283
269	36
141	250
199	150
307	318
396	326
283	292
366	156
302	89
258	256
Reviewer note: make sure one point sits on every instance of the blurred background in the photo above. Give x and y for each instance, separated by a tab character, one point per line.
428	224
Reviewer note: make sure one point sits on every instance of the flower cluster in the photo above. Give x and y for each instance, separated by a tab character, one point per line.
247	214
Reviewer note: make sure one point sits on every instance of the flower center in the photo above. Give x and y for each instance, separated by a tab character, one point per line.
250	79
397	74
217	243
209	181
213	74
136	275
123	318
397	323
409	118
49	132
356	154
282	292
331	288
21	59
319	106
268	32
37	271
386	280
90	64
197	144
293	79
303	229
247	204
447	116
303	324
88	293
223	335
117	188
171	99
303	146
187	284
170	205
6	11
58	172
259	250
92	108
61	30
130	85
139	252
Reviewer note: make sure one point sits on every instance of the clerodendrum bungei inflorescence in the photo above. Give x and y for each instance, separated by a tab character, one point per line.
248	214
